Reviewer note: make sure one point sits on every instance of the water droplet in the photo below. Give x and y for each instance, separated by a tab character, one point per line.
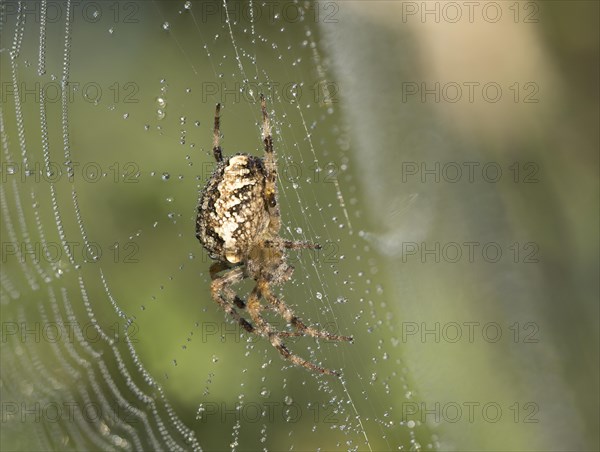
187	5
264	392
166	26
215	359
166	176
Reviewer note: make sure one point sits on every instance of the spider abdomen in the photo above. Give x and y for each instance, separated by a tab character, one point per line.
232	213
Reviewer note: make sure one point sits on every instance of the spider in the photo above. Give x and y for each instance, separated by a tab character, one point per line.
238	223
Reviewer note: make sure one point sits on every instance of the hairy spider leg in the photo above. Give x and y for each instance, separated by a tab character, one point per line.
270	161
225	287
217	152
267	139
297	323
254	308
292	244
218	267
280	346
299	244
221	287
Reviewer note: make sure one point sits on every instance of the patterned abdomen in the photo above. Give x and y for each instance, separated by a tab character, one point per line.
232	212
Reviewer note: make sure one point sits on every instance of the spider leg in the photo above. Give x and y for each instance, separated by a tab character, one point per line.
218	267
297	245
285	352
270	163
293	244
217	152
221	286
297	323
261	325
267	139
254	309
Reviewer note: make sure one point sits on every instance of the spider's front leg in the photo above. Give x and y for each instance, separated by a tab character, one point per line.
292	244
217	152
298	245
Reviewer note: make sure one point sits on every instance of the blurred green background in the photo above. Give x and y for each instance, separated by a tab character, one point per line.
352	143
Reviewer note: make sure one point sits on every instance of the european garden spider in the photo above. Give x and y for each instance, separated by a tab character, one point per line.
238	223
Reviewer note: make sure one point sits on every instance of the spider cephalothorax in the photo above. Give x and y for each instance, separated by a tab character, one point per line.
238	223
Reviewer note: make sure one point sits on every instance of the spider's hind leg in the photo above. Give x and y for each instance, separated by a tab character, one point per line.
298	324
287	354
265	329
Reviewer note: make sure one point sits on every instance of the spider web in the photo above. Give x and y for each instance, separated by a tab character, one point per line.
110	338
